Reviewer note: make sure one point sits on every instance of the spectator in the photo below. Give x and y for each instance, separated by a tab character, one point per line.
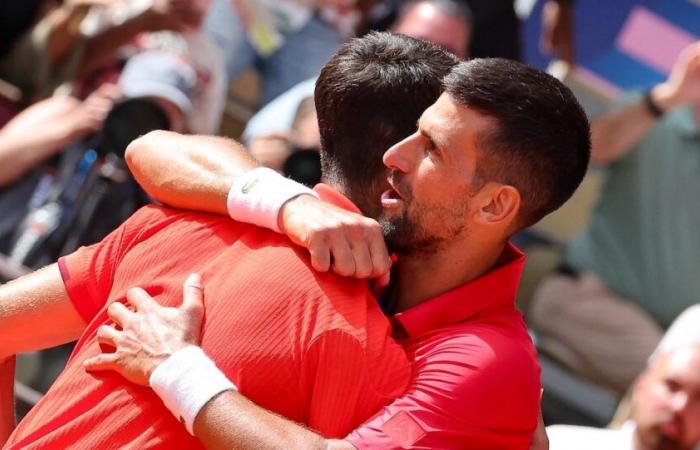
666	400
287	41
496	30
54	50
43	129
635	267
442	22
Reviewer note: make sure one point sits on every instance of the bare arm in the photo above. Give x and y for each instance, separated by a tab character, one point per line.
232	421
190	172
35	313
62	120
616	133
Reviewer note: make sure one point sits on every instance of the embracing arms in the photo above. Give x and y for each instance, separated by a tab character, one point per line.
35	313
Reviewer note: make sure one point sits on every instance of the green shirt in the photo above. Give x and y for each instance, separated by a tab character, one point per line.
643	238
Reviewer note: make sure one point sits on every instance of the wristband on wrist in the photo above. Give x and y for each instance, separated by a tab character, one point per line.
258	195
652	106
187	381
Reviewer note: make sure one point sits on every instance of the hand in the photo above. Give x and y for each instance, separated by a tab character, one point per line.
150	334
351	244
557	30
89	116
683	84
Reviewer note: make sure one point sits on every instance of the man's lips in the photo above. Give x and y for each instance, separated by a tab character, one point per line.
391	198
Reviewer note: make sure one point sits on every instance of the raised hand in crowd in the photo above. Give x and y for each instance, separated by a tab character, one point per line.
62	120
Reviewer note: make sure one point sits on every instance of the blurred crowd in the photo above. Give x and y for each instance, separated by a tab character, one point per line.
79	79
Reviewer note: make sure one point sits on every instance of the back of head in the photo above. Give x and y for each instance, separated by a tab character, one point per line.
368	97
541	141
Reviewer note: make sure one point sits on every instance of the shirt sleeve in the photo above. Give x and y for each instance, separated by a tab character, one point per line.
462	396
88	273
334	366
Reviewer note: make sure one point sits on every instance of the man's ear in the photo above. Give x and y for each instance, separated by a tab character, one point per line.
497	204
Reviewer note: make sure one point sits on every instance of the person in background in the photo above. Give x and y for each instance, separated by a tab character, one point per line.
635	266
446	23
665	400
47	127
49	46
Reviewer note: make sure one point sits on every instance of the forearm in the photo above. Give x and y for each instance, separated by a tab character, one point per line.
615	133
36	313
191	172
7	398
232	421
22	151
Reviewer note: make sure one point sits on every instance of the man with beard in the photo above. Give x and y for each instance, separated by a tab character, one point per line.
665	399
488	159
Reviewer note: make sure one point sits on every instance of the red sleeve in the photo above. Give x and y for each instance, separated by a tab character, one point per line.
462	396
89	271
335	366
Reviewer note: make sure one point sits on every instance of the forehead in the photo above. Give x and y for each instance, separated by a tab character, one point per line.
684	364
452	122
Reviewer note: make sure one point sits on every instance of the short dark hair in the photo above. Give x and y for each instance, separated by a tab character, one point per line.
540	143
368	97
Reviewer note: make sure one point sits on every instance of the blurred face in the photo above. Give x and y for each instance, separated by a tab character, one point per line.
425	21
433	178
667	402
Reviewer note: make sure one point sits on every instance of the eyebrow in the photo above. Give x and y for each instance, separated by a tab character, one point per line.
438	143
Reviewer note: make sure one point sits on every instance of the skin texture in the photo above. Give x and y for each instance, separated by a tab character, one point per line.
666	402
30	300
62	120
434	171
616	133
428	22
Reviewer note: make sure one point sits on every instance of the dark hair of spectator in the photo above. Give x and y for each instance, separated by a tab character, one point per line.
455	8
541	142
368	98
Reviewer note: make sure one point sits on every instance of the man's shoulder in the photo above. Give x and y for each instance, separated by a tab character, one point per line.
503	357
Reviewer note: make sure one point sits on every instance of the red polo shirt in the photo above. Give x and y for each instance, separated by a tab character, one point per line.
313	347
476	379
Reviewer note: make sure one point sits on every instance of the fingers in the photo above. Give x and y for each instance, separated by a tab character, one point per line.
118	313
343	258
107	335
103	361
381	262
193	295
140	299
320	256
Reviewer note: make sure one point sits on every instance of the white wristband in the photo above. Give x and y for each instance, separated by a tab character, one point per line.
258	196
186	381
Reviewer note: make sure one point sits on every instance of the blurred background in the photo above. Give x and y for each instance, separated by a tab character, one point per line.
606	275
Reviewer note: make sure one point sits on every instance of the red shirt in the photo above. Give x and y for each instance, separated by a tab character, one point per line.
312	347
476	379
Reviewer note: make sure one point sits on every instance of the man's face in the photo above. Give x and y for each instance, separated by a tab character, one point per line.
433	176
667	401
426	21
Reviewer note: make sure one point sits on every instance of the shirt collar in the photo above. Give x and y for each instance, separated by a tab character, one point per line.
493	290
331	195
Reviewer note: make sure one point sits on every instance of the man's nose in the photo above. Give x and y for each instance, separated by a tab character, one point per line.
401	156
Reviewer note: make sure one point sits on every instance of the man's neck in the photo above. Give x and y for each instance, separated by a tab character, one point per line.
423	276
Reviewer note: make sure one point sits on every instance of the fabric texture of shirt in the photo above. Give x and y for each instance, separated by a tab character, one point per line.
475	372
313	347
642	238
